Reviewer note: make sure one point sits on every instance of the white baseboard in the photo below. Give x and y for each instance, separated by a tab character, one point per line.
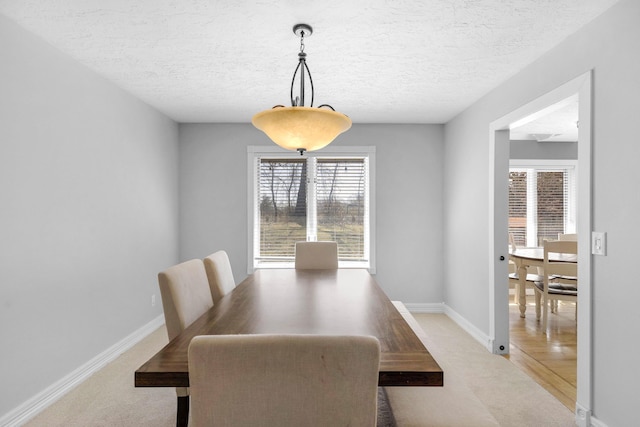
583	416
460	321
48	396
425	308
471	329
596	422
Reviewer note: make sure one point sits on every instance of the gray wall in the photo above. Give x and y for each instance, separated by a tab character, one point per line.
88	193
213	198
559	150
610	45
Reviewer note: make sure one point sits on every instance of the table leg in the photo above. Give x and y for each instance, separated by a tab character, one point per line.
182	417
522	292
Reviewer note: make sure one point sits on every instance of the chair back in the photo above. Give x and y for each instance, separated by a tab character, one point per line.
219	274
554	268
512	243
568	236
316	255
185	295
283	380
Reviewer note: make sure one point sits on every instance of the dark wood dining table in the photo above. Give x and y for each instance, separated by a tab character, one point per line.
289	301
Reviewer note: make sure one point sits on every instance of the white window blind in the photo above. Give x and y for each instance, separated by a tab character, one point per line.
518	206
319	197
541	203
282	208
552	194
342	207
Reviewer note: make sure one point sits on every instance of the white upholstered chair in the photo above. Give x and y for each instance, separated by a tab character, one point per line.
316	255
220	275
185	297
283	380
559	278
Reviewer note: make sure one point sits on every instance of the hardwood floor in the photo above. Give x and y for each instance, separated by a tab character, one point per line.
549	359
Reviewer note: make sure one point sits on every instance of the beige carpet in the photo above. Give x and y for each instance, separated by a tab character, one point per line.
480	389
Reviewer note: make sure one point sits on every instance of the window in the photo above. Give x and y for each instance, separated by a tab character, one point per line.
324	195
542	200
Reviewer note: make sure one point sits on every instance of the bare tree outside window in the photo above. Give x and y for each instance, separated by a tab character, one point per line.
282	201
339	205
340	196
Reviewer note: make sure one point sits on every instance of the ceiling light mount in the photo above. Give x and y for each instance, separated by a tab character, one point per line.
298	127
302	30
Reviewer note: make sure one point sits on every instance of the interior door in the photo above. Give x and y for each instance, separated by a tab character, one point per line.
499	315
500	238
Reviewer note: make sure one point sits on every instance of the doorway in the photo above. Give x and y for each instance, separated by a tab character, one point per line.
580	87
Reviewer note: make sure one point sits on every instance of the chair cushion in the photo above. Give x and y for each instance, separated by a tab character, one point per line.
558	276
558	288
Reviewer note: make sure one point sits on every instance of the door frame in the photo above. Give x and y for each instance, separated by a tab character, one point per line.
580	87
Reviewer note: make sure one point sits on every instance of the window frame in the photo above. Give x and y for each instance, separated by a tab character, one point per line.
256	152
544	165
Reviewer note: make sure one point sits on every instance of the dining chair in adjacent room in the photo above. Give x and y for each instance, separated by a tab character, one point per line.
220	275
185	297
560	279
316	255
568	236
563	236
284	380
514	278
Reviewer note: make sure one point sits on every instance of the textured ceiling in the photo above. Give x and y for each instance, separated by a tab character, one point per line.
558	123
378	61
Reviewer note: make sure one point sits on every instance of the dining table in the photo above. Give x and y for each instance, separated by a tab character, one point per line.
526	257
323	302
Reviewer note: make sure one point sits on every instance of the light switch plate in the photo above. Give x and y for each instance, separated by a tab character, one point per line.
598	243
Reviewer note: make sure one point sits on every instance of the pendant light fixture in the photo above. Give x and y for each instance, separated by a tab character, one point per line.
298	127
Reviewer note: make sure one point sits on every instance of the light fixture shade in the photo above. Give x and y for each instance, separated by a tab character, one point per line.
301	128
